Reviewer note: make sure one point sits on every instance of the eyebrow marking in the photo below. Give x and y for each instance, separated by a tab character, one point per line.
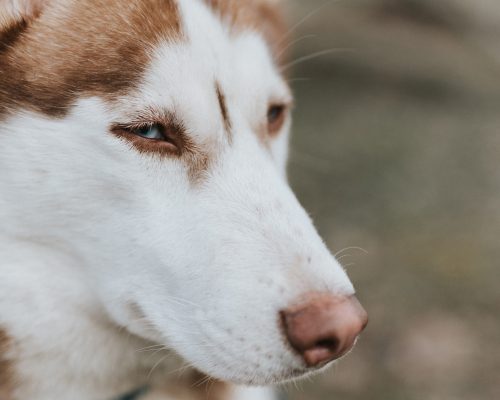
223	109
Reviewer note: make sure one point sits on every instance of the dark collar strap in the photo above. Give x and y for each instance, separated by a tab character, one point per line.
135	395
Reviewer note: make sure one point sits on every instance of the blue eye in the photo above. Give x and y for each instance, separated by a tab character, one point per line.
152	137
154	132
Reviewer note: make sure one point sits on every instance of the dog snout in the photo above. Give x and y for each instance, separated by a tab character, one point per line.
324	328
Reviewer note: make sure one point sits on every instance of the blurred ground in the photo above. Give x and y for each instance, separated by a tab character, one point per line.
395	150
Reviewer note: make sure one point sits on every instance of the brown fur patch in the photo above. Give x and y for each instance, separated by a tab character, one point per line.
13	12
11	34
67	49
198	386
261	15
96	47
5	368
205	388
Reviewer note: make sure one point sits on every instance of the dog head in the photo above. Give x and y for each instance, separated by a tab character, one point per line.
148	138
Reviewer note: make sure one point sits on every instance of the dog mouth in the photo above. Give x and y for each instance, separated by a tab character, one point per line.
299	373
279	378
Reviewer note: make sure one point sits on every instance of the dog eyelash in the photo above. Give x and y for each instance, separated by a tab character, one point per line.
151	137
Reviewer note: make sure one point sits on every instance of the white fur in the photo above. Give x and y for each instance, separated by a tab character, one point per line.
105	251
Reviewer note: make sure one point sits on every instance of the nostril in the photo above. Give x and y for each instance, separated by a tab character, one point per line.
330	344
322	352
324	328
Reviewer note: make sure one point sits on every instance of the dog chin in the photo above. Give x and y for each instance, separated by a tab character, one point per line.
293	375
278	378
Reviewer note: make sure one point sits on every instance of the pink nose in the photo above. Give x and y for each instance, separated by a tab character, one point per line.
324	328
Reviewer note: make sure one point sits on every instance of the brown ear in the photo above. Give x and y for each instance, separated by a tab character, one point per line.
15	12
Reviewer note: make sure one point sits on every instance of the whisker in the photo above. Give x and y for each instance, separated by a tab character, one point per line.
312	56
157	364
304	19
351	248
181	370
293	43
158	351
150	348
208	389
343	256
202	381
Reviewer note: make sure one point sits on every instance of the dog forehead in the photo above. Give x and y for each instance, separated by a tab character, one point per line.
214	69
84	48
211	55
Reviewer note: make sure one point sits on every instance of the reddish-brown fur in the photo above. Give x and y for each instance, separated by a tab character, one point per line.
5	367
62	50
99	47
261	15
76	48
25	11
194	385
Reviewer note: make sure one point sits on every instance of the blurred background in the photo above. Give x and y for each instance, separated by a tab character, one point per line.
395	154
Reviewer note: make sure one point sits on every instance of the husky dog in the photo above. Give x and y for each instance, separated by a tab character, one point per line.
146	225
